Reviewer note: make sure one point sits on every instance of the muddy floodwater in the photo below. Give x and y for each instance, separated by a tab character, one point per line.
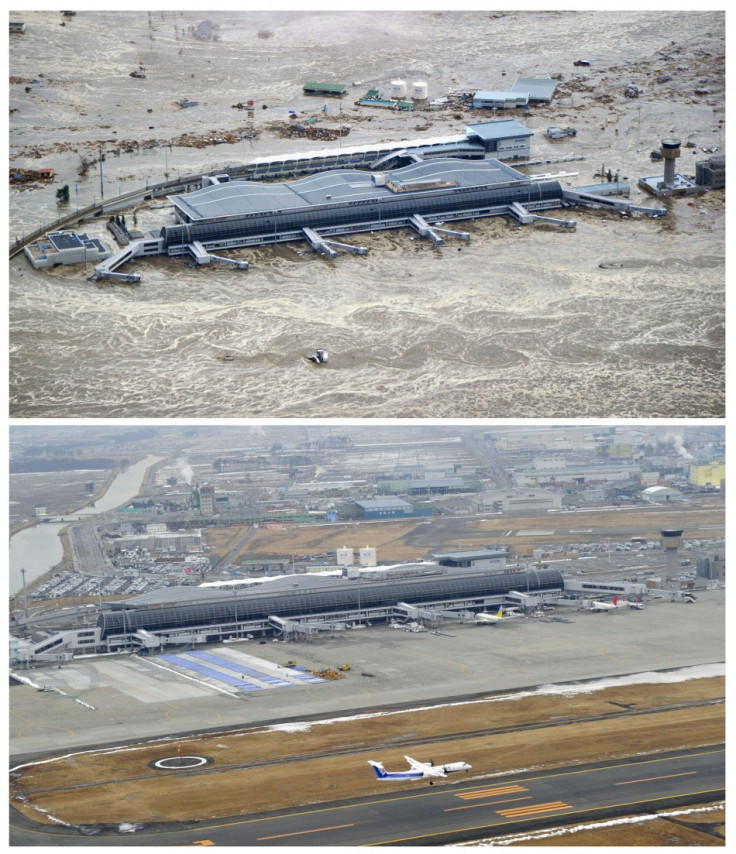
620	317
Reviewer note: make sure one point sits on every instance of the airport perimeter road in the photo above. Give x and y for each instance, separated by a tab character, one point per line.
444	813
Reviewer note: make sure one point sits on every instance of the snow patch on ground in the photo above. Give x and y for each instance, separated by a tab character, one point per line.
565	689
515	839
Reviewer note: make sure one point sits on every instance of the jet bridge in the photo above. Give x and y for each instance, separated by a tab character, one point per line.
291	627
433	231
619	205
325	246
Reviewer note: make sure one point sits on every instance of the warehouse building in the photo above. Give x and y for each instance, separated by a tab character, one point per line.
539	90
426	486
661	495
386	508
334	89
495	100
518	501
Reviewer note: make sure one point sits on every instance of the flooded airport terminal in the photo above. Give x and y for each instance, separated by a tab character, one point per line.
523	318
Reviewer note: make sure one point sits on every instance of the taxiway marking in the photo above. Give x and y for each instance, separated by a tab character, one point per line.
300	832
650	779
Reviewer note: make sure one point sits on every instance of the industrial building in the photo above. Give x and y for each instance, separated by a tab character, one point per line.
526	90
711	173
495	100
207	500
539	90
661	495
159	541
334	89
710	476
427	486
386	508
518	501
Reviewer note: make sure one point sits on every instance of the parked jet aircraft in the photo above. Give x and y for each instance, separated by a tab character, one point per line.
606	606
418	770
482	617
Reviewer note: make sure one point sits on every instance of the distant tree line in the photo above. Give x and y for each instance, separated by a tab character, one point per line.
38	464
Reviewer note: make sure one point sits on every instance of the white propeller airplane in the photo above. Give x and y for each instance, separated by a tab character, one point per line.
482	617
418	770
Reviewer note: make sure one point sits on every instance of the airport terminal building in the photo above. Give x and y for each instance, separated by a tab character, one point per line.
292	605
400	185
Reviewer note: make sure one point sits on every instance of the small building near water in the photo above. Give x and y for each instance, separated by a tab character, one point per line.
490	100
65	247
324	89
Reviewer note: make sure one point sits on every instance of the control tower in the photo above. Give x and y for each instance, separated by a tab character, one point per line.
670	151
671	542
672	184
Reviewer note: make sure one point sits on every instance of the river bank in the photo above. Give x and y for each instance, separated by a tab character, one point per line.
119	487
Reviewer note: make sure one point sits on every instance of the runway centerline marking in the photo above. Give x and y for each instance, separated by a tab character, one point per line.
300	832
650	779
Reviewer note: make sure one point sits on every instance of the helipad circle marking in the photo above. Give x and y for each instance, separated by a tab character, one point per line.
169	763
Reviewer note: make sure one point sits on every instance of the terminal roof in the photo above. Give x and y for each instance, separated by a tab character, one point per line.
498	130
538	88
339	186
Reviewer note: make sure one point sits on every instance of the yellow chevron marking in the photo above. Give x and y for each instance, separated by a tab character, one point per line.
518	812
488	804
491	793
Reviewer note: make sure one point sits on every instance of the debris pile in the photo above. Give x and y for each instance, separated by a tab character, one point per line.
307	131
29	176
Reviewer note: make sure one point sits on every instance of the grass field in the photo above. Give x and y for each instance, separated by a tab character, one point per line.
322	762
393	539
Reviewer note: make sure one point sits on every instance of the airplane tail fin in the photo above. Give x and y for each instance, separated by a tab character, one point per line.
378	769
615	600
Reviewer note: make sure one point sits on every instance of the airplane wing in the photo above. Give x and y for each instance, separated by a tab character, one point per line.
429	770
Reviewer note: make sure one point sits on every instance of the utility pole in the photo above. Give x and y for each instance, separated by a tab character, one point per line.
102	188
25	594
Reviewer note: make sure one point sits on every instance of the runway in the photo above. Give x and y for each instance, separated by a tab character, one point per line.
445	813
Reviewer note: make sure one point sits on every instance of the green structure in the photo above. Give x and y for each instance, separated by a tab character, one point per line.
325	88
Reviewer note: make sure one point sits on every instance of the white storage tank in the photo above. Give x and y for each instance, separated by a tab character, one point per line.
398	89
368	556
345	557
419	90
